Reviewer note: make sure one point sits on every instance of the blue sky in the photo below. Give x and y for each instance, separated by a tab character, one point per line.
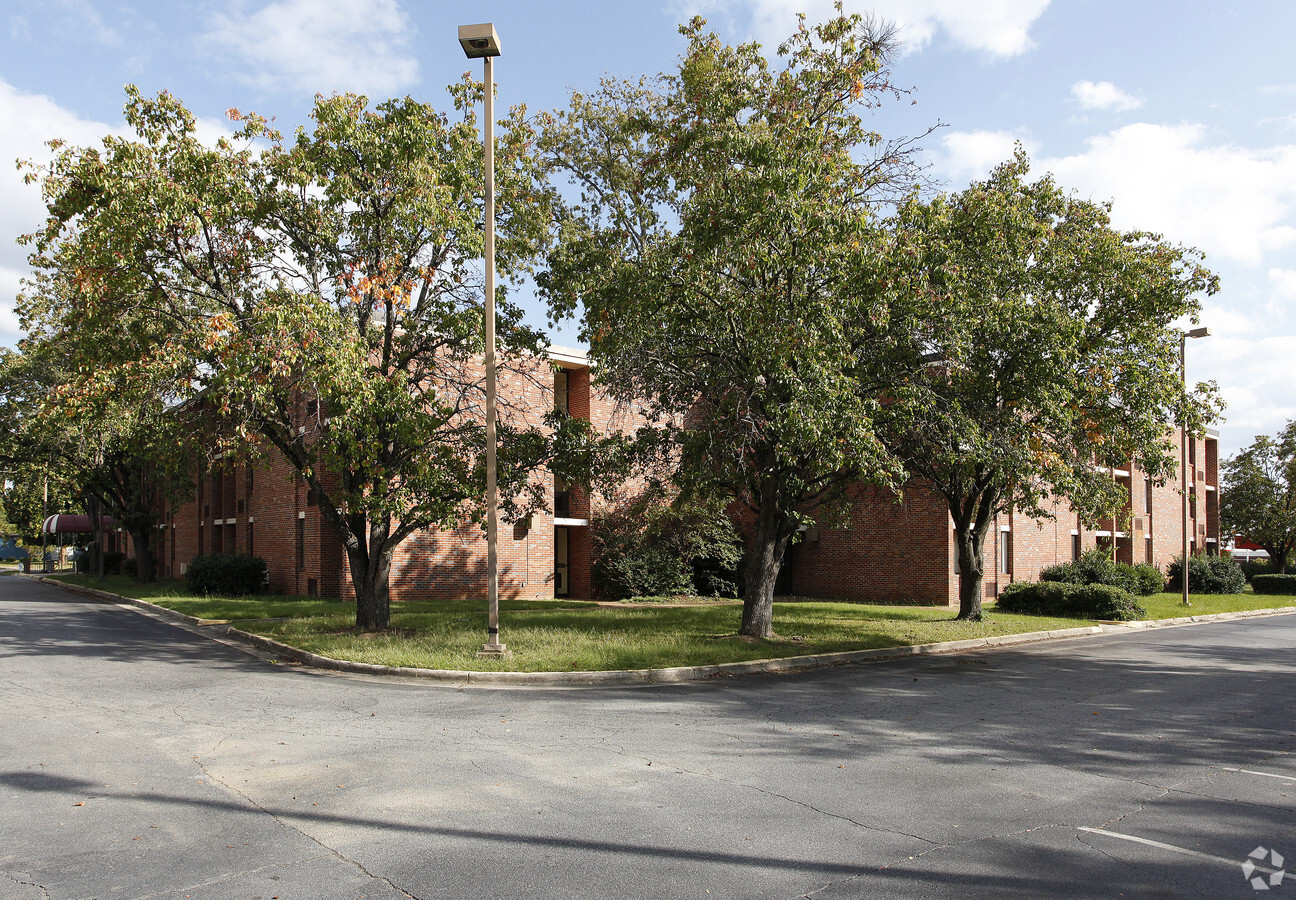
1183	114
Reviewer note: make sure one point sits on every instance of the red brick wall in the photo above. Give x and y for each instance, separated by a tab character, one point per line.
888	552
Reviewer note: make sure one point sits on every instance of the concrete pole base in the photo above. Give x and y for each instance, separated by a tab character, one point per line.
498	650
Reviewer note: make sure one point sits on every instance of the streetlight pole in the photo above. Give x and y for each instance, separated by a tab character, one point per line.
481	42
1184	475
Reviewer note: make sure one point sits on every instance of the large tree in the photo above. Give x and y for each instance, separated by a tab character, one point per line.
724	250
120	456
322	295
1258	495
1051	356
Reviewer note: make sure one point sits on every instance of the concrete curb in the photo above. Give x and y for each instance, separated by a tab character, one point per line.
1198	620
108	597
675	675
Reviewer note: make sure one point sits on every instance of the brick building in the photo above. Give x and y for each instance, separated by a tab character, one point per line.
265	509
905	552
887	552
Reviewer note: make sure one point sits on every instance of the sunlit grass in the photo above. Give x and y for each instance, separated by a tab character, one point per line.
567	635
1170	606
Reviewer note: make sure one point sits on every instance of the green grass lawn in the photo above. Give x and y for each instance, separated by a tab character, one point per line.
566	635
1170	606
571	635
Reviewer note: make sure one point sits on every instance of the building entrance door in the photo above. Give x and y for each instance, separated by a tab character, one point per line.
560	561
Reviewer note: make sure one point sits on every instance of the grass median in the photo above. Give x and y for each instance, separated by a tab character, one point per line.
577	636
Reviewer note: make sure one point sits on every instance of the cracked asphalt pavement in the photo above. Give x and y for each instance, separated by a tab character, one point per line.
143	760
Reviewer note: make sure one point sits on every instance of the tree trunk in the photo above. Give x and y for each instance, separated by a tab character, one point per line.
972	517
760	570
96	522
370	567
971	559
1277	560
145	567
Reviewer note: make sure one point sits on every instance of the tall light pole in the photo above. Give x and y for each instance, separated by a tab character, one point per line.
481	42
1184	475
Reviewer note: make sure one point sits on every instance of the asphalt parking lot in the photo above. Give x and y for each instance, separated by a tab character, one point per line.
141	760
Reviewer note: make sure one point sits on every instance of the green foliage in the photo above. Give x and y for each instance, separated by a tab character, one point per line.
649	547
1097	567
1151	580
226	575
1051	344
255	277
1258	495
1253	567
1273	584
1055	598
725	252
1207	575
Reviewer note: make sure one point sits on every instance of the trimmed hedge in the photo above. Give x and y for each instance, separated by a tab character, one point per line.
1270	584
1083	601
1207	575
1096	567
230	576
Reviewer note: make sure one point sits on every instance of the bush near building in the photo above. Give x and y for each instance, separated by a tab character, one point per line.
1207	575
651	548
1097	567
1059	598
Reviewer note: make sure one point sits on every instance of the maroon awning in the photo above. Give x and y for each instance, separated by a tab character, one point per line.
65	524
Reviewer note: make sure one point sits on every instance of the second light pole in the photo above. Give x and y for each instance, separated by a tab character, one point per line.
481	42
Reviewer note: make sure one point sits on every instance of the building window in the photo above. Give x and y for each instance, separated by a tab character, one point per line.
1075	545
301	544
251	546
1005	553
1148	497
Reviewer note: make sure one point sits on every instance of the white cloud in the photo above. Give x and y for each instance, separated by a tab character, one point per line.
1283	283
970	155
30	120
1000	28
1229	201
1255	379
318	46
1103	95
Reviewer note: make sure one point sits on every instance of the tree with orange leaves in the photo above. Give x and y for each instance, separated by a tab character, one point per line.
322	294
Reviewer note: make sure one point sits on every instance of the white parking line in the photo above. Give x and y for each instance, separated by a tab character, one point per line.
1172	848
1265	774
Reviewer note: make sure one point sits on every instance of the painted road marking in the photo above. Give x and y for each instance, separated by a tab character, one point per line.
1265	774
1172	848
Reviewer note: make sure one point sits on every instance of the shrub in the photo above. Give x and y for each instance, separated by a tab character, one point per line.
1253	567
1207	575
129	567
1150	579
221	573
1270	583
1057	598
1096	567
649	547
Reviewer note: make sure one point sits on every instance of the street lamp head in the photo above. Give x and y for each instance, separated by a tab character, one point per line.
1198	333
479	40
